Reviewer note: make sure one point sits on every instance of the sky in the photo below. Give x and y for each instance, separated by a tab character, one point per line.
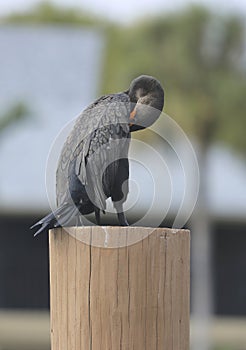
128	10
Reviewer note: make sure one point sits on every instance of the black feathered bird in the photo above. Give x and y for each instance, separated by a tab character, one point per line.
93	164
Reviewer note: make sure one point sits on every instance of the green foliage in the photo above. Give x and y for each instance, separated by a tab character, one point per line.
48	13
197	55
15	113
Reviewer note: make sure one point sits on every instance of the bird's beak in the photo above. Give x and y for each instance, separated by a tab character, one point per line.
132	116
133	122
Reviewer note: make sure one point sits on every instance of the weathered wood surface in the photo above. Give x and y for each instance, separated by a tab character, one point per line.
132	297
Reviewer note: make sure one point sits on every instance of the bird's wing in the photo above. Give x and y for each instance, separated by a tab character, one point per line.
100	136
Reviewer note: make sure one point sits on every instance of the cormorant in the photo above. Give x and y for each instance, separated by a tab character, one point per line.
93	164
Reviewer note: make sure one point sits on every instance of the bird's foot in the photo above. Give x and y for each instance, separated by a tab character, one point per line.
97	215
122	219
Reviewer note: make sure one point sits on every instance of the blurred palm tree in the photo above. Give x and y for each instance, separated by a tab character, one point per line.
198	56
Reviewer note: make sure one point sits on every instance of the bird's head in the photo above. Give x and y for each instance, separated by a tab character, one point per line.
147	96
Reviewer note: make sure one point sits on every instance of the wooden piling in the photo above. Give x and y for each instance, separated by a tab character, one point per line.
133	296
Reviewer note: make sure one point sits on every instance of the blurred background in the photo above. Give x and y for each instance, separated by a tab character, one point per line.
57	57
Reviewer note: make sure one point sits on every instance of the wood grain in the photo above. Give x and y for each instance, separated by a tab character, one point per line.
135	297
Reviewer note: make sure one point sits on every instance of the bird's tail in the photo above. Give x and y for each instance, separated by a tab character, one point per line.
60	217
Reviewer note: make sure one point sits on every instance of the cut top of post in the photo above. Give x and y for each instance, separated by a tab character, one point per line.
117	236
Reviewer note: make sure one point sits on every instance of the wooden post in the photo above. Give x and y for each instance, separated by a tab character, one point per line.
134	296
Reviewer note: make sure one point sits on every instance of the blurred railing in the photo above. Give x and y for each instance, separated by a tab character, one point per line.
29	330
